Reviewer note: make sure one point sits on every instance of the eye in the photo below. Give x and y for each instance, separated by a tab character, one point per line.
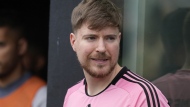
91	38
110	38
2	44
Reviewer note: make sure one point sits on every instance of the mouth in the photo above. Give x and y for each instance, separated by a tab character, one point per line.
101	61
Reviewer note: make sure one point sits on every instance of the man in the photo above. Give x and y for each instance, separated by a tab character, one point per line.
176	38
96	38
18	88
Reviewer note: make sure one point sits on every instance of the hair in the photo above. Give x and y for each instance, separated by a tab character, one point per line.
172	29
97	14
12	20
186	32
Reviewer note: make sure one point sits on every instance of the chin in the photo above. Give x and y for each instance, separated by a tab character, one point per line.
99	72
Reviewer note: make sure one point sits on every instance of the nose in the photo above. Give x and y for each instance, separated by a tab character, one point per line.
101	47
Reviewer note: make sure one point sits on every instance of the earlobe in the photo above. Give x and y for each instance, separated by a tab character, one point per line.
72	40
22	44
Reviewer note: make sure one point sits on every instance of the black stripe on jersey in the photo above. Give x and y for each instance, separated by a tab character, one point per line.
119	75
146	93
154	105
84	82
157	99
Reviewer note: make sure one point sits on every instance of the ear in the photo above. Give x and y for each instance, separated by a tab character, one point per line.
22	46
119	36
73	41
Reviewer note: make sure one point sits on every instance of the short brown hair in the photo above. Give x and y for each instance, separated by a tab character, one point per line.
97	13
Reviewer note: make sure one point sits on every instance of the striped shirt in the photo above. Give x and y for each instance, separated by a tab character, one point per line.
127	89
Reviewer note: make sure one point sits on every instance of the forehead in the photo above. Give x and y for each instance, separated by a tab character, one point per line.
7	33
84	29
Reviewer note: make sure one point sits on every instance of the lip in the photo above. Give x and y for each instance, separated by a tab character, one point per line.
99	61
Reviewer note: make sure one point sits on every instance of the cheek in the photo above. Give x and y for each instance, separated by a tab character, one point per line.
114	50
8	53
84	49
5	52
83	52
6	58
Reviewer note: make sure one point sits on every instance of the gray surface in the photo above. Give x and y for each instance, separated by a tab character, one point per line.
63	68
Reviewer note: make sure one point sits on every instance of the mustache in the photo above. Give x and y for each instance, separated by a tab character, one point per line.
100	56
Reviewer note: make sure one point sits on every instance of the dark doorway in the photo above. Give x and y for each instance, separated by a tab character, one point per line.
36	15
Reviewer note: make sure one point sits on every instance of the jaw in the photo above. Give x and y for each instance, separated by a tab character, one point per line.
98	70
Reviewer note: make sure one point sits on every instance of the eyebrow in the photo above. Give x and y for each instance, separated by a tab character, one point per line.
97	35
89	35
111	35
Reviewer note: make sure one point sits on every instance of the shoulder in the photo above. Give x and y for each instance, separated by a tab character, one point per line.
40	97
75	87
141	91
162	79
32	85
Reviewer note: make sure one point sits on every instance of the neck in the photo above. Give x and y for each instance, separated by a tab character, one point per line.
96	85
13	76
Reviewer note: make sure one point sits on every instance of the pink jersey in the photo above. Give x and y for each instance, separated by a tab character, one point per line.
126	90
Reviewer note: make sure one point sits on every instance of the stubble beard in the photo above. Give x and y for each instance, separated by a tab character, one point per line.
96	74
6	71
95	71
5	74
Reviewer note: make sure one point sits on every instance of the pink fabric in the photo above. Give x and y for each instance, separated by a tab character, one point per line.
124	93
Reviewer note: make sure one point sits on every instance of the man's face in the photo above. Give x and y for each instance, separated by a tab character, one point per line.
97	51
8	52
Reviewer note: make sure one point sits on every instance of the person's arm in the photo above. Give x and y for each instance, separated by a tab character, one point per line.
40	98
